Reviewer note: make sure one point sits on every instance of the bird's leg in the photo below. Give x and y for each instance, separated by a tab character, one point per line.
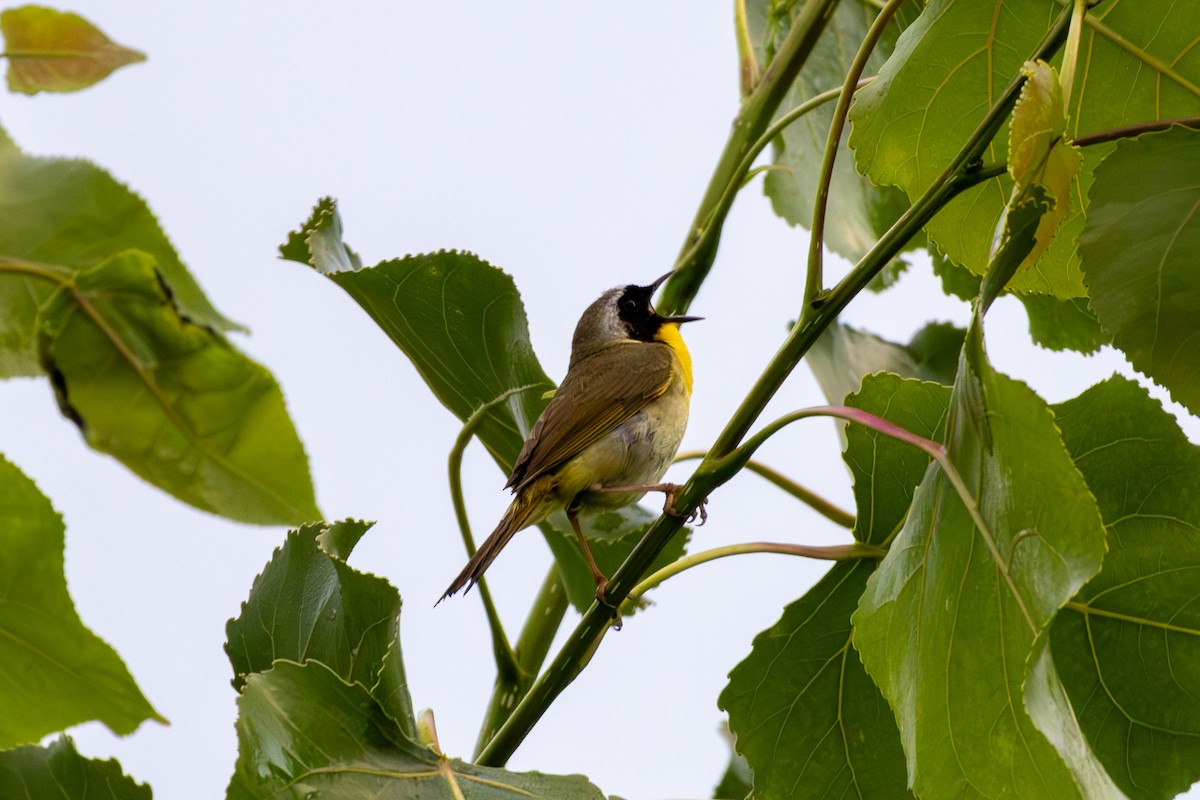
597	575
670	492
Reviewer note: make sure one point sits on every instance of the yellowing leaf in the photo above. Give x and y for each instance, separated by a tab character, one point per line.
55	51
1038	155
1037	123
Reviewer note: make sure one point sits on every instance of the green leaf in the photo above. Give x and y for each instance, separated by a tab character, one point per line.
462	324
22	293
1053	323
1063	324
172	400
946	71
58	772
70	215
1128	645
307	604
339	539
459	319
56	51
54	672
843	356
1048	706
936	348
948	623
806	716
886	472
858	212
738	780
805	712
304	732
1140	248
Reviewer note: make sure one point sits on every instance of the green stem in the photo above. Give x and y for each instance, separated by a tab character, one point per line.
728	466
61	276
506	665
515	668
747	63
1071	53
831	512
541	626
814	282
695	262
583	641
785	120
837	552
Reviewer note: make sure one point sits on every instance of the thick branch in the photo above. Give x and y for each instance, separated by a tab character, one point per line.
541	626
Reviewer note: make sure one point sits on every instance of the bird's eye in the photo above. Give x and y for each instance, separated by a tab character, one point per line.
629	305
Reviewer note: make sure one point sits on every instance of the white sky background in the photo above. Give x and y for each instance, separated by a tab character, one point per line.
568	144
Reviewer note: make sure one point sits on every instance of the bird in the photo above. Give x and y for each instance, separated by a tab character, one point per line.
608	433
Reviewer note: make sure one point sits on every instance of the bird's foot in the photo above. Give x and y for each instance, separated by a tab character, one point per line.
670	492
669	504
602	599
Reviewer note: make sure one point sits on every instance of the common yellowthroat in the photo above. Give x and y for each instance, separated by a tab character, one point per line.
610	431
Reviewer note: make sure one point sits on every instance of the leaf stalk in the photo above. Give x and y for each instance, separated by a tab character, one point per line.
506	664
1135	130
814	282
837	552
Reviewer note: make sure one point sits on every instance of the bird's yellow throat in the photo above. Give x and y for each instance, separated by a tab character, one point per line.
668	334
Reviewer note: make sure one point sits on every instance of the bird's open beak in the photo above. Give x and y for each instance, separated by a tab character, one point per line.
652	288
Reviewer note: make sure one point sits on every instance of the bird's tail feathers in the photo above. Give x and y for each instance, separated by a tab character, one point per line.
518	516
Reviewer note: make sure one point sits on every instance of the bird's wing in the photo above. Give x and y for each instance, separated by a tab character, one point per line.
590	403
